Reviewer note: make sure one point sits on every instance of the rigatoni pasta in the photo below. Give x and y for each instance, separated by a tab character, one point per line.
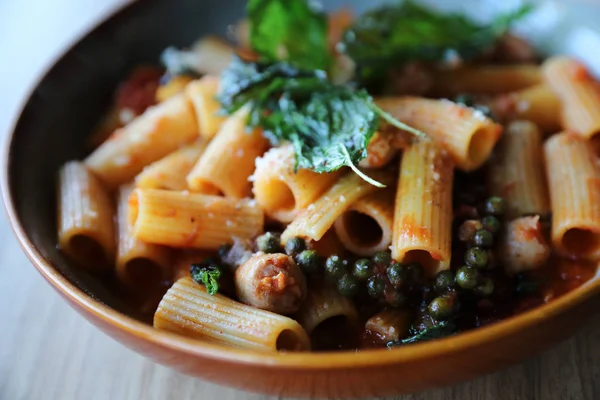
366	226
159	131
517	171
573	172
189	310
171	171
578	92
222	169
283	192
324	304
538	104
85	218
313	222
465	133
139	265
202	94
423	208
180	219
485	79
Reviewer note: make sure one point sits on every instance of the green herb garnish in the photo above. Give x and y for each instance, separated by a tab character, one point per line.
207	274
398	33
289	30
439	330
329	125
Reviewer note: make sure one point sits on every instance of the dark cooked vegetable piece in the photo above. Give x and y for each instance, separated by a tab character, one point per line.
309	261
495	206
398	274
362	269
476	257
335	266
348	285
295	246
269	242
467	277
375	286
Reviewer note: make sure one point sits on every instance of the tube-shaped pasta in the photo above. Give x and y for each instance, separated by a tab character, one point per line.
160	130
139	265
574	180
183	260
464	132
366	226
170	172
283	193
538	104
203	93
313	222
180	219
228	161
579	93
389	324
85	218
189	310
174	86
324	303
485	79
516	171
423	215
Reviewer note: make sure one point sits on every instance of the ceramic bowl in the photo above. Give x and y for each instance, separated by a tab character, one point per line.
52	128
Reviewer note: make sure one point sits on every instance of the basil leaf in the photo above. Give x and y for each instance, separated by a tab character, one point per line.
289	30
329	125
207	275
440	330
405	32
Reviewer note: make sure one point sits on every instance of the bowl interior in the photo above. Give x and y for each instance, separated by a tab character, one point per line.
73	95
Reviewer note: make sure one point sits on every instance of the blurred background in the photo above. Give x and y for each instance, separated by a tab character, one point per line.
47	351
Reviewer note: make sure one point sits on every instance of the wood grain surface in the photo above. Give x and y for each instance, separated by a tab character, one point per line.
48	352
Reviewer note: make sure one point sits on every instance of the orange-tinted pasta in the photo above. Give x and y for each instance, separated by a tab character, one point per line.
579	93
465	133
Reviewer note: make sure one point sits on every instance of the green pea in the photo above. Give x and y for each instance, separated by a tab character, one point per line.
486	287
483	238
375	286
382	257
347	286
269	242
491	223
467	277
441	308
398	274
417	272
495	205
223	251
395	298
335	267
308	261
295	246
444	280
362	269
476	257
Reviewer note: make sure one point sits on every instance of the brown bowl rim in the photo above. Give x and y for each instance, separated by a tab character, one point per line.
317	361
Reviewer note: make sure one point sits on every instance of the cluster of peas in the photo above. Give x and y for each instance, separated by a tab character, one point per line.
397	284
478	260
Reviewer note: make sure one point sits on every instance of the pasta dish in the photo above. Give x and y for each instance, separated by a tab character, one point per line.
334	182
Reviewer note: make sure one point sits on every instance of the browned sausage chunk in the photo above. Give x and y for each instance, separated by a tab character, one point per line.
271	282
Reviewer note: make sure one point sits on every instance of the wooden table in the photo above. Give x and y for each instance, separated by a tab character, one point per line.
47	351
